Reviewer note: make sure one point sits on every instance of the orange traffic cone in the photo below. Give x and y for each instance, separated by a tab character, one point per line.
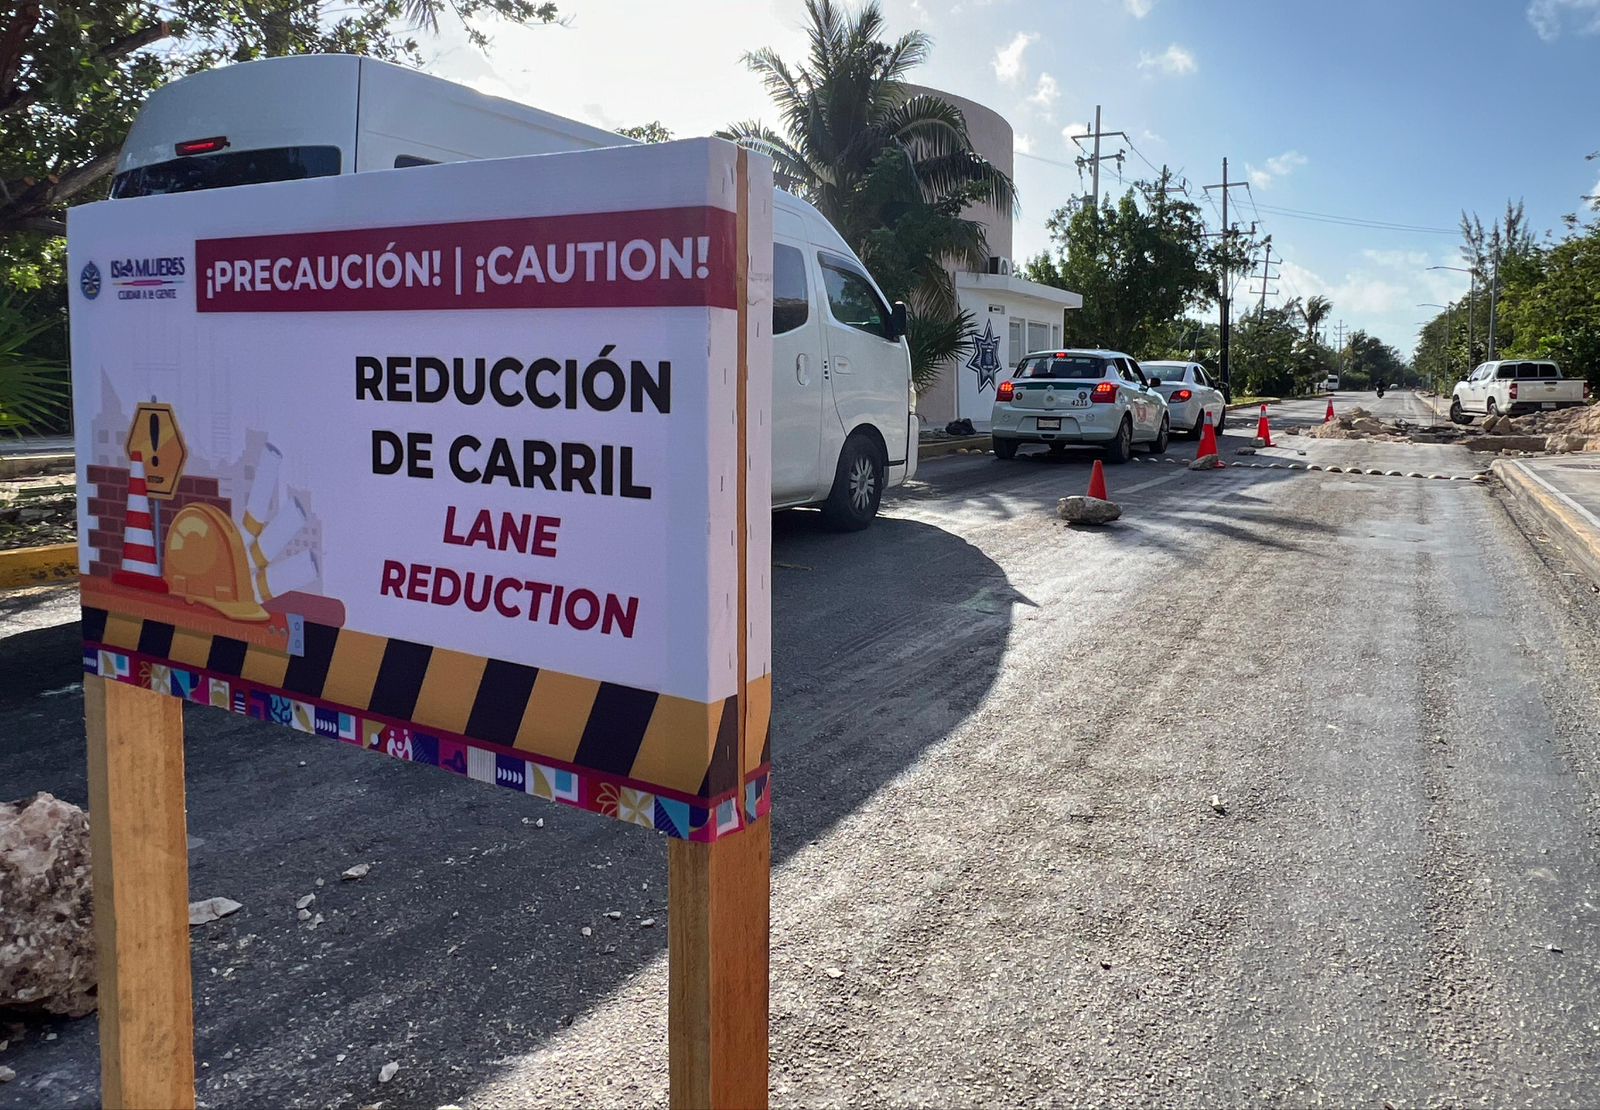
1328	416
1263	429
1208	440
1097	481
139	536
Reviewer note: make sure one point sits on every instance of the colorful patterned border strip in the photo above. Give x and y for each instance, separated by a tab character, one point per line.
606	795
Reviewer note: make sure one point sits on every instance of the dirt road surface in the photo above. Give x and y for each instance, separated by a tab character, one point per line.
999	878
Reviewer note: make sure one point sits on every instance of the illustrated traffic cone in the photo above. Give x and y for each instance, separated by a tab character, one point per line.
139	568
1263	429
1328	416
1097	481
1208	440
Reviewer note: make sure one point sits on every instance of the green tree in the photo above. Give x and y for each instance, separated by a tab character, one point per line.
1315	313
1140	262
893	171
1369	360
653	132
1553	310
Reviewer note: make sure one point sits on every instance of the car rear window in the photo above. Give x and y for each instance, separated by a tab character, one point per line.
1166	371
218	171
1070	366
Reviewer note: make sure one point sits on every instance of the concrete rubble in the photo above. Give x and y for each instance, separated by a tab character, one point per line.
47	949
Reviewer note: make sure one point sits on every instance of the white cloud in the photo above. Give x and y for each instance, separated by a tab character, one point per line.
1150	136
1022	143
1138	8
1009	65
1279	165
1594	197
1550	17
1399	260
1174	61
1072	129
1046	93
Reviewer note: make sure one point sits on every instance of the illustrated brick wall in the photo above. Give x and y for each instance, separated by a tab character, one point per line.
109	507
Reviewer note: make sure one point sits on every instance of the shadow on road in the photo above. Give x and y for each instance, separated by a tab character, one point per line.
462	948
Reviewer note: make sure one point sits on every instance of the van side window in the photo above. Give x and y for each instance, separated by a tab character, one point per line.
851	299
791	306
406	161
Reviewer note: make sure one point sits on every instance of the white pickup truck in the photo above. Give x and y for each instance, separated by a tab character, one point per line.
1512	386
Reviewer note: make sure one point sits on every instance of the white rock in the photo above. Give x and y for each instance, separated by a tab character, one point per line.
386	1072
303	915
586	931
210	909
6	1074
305	901
359	871
539	824
613	914
834	973
47	951
1216	804
647	923
1079	509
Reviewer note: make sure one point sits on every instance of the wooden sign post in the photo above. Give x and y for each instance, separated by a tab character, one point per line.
484	486
141	896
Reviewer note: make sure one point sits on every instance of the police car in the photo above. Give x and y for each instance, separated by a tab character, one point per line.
1079	398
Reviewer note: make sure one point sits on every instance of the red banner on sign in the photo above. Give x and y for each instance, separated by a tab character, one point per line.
655	258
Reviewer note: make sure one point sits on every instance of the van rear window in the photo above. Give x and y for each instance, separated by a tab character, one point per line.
234	167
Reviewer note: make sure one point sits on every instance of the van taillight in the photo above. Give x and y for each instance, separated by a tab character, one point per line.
1512	392
201	146
1104	393
1006	391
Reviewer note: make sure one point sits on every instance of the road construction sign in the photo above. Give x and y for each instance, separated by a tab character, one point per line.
155	437
474	483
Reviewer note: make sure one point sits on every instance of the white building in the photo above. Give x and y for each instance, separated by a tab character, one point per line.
1013	316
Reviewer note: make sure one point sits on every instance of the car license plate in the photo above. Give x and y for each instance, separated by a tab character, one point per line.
1049	423
1081	400
1548	405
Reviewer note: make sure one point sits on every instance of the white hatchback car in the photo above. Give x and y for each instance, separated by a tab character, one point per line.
1190	395
1077	398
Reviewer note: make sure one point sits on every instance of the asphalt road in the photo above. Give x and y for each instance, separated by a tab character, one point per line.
999	878
1395	404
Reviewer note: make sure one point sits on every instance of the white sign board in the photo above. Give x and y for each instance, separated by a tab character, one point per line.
461	464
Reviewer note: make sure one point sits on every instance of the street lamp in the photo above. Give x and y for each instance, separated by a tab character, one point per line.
1449	327
1472	290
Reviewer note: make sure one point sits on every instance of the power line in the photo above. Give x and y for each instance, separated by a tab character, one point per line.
1353	221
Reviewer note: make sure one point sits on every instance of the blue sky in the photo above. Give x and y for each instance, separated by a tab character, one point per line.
1390	111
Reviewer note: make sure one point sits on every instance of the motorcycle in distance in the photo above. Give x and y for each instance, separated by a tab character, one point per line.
1379	387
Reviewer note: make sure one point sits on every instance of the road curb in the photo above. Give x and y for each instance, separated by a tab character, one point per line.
1565	520
38	566
941	447
25	466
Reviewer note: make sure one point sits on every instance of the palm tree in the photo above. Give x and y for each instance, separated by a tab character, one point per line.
1315	312
889	168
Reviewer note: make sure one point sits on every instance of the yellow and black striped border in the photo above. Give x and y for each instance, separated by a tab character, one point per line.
636	742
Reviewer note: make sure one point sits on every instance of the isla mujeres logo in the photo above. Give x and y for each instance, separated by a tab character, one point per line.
148	279
89	280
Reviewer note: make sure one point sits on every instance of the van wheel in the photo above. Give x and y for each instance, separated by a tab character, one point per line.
1121	449
857	486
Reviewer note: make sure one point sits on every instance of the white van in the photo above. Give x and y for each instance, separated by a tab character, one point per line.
844	410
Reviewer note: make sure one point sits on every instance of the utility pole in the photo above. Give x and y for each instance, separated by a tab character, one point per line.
1095	159
1227	380
1494	295
1266	275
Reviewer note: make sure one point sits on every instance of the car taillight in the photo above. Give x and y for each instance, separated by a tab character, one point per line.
1104	393
1182	395
1006	391
201	146
1512	392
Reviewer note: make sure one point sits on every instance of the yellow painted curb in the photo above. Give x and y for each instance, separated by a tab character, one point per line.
38	566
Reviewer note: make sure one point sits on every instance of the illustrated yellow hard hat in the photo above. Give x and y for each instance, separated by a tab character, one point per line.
206	563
